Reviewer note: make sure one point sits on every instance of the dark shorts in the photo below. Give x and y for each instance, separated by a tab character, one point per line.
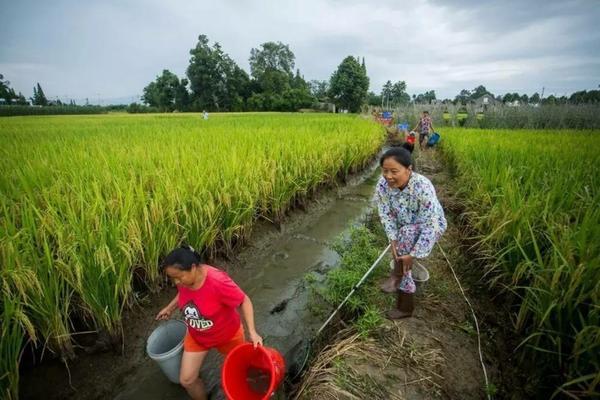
422	136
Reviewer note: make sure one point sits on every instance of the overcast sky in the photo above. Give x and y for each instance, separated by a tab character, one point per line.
111	49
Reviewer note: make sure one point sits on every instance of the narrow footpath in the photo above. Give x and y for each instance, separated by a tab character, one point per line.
434	354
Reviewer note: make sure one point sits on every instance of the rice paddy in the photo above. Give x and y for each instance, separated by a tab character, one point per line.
533	199
90	203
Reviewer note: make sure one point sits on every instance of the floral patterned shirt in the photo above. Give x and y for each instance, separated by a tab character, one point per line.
425	125
416	205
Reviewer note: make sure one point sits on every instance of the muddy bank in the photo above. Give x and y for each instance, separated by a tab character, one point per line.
270	269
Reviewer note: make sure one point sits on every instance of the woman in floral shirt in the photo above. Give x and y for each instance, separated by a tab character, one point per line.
412	217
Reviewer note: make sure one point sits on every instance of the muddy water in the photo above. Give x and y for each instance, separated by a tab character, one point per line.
272	276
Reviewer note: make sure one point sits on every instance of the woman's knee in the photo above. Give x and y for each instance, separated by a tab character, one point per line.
187	380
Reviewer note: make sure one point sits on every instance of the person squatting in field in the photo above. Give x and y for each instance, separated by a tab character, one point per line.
211	303
413	220
424	127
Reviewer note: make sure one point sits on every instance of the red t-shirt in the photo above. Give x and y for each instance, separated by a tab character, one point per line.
210	311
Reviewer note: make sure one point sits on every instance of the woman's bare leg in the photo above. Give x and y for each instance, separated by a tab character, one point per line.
191	362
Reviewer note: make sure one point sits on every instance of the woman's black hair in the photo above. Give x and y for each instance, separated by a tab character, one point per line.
408	146
401	155
182	258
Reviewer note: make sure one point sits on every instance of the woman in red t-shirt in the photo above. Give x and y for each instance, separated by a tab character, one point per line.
211	304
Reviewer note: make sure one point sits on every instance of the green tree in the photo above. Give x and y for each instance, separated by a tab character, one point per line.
398	93
535	98
349	85
21	100
298	81
274	85
162	92
585	97
205	74
478	92
374	99
272	56
271	67
319	89
238	87
6	92
182	96
510	97
550	100
39	98
425	98
216	82
463	97
386	94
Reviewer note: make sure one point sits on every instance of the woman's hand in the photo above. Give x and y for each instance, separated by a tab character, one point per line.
407	261
255	338
165	313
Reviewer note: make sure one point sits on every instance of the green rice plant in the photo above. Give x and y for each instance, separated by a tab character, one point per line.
89	202
12	333
533	197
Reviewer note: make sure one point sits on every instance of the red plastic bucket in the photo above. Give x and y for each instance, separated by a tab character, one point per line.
252	374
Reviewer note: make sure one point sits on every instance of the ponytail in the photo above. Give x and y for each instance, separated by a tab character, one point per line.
183	258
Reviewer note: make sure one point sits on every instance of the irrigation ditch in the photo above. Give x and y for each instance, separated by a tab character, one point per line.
361	355
271	270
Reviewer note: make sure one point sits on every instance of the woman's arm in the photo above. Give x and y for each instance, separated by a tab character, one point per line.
247	311
165	313
416	126
429	215
390	224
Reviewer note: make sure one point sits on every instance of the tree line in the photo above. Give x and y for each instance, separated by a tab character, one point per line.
394	95
214	82
10	97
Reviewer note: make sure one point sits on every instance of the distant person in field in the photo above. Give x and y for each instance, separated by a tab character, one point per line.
205	115
211	303
413	220
424	127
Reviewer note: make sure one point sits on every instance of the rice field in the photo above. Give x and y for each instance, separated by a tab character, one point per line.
90	203
533	199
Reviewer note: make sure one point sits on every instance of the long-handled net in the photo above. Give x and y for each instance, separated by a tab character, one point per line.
297	357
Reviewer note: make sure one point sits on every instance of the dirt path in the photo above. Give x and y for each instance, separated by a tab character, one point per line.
432	355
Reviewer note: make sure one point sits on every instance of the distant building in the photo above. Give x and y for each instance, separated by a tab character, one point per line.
485	102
